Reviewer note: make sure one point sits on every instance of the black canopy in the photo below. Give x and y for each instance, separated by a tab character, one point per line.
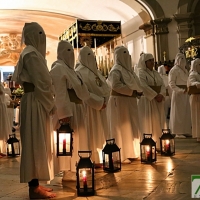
94	33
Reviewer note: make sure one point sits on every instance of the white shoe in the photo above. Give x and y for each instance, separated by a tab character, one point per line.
126	161
180	136
69	176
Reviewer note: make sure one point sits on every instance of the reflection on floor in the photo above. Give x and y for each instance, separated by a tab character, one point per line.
169	178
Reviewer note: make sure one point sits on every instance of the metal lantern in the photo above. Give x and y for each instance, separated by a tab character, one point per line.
111	157
148	149
64	140
167	143
85	174
13	146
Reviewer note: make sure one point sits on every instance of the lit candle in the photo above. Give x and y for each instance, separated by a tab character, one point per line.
167	146
64	145
148	152
84	179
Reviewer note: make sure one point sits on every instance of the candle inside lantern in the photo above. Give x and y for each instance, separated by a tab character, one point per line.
64	145
167	146
148	152
84	179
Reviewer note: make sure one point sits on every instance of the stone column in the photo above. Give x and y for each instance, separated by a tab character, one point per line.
185	26
161	38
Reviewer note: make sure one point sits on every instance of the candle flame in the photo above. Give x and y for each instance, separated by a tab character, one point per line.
84	173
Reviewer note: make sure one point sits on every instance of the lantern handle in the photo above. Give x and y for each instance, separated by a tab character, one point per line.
166	130
113	139
61	122
147	134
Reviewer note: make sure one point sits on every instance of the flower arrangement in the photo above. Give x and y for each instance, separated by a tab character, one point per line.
18	92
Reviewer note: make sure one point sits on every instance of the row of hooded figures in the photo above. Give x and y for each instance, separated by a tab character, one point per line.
127	104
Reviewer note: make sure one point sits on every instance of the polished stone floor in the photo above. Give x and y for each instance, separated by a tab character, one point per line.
169	178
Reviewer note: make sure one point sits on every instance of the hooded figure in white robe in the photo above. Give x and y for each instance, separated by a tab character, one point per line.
180	117
4	122
163	70
71	110
97	126
10	107
194	80
151	104
122	106
36	105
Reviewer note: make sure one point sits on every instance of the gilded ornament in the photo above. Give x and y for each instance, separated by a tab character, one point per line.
87	27
86	41
99	27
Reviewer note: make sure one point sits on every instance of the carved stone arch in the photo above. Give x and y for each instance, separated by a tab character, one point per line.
158	29
156	9
193	7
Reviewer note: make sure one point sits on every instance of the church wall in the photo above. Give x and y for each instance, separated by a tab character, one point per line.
133	38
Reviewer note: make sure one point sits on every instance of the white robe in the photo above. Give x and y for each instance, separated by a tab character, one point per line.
35	108
123	113
151	113
97	126
194	78
66	78
4	121
10	110
165	78
180	117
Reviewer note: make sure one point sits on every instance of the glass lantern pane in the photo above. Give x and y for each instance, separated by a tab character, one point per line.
64	142
107	160
166	146
153	152
85	178
172	145
9	148
116	160
146	154
16	147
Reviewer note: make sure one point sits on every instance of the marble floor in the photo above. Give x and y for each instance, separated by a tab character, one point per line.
168	178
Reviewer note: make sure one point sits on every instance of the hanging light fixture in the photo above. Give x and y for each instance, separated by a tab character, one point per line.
111	157
148	149
167	143
64	140
85	174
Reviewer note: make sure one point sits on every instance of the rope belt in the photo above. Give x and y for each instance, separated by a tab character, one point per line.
28	87
155	88
134	94
193	90
182	86
73	97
